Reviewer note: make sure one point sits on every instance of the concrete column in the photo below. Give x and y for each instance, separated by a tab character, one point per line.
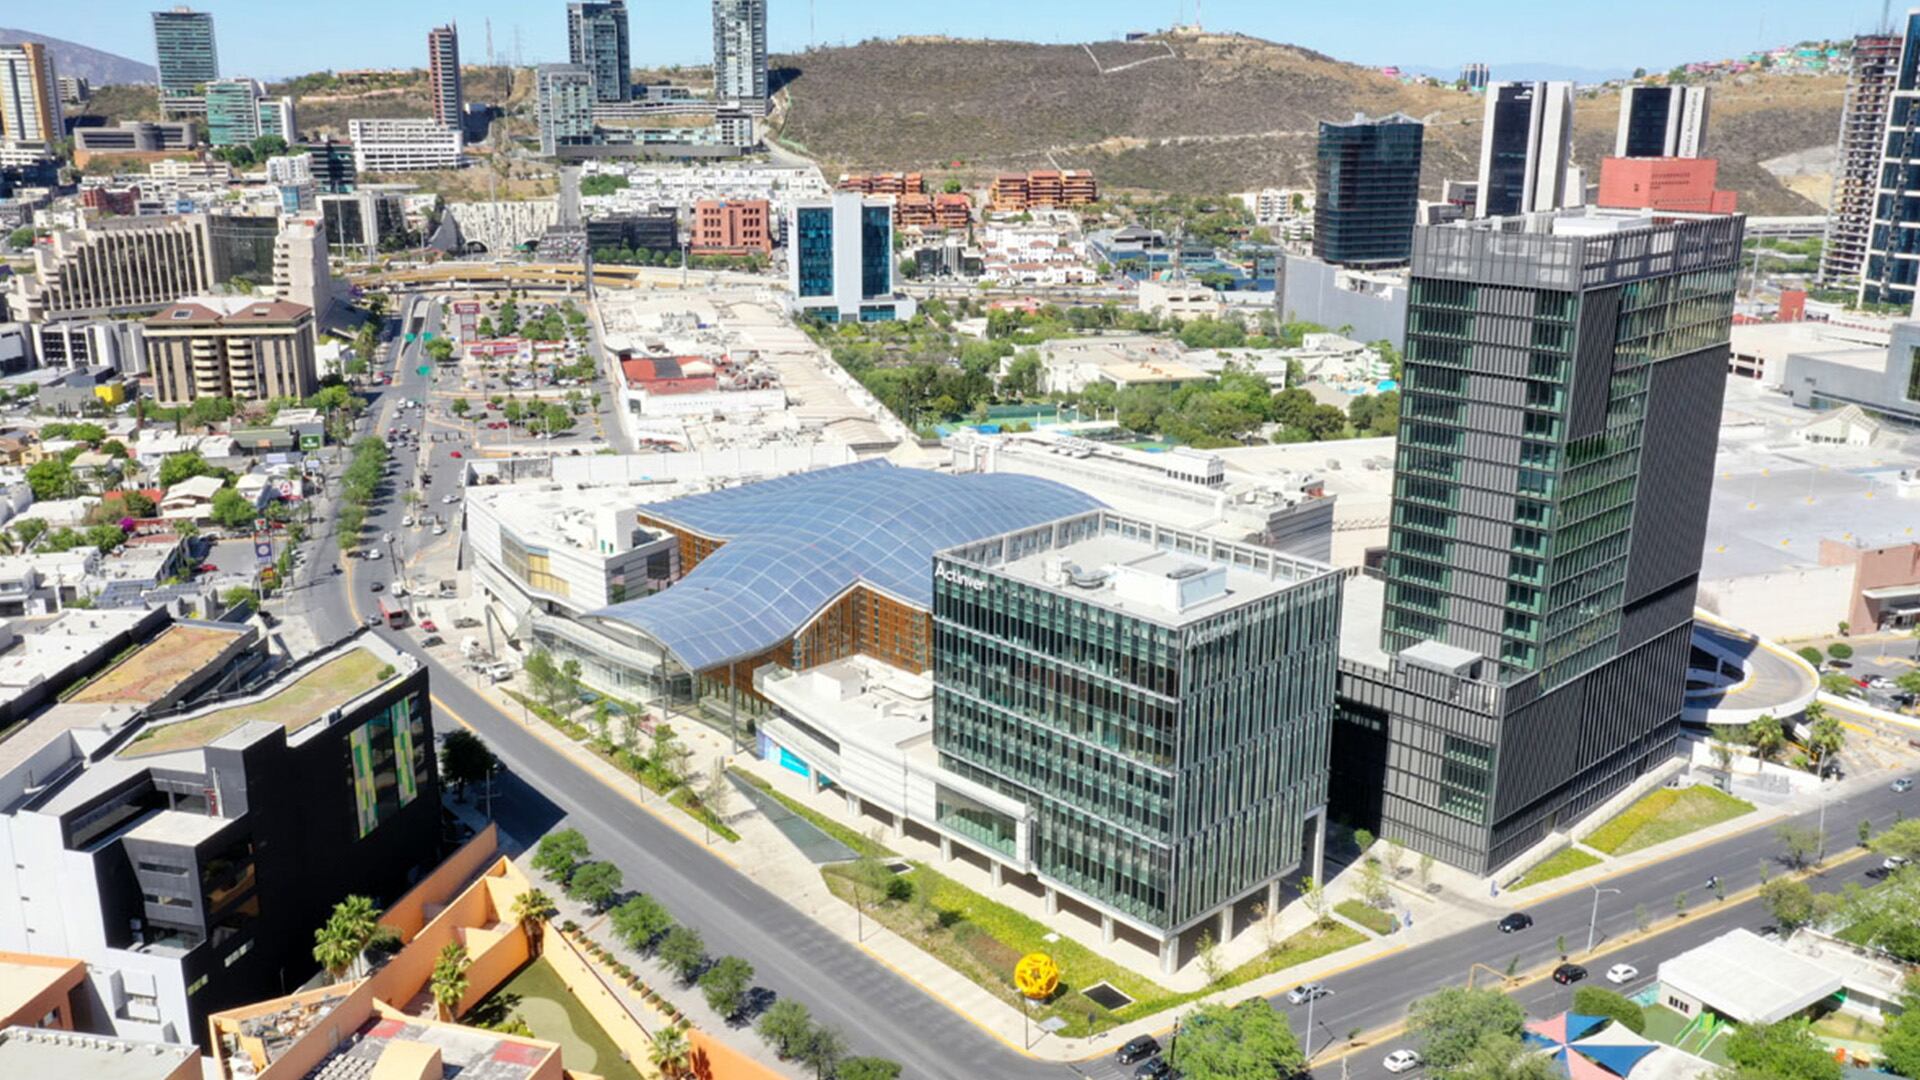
1320	846
1170	955
899	825
1273	898
853	805
996	873
1106	929
946	849
1053	900
1226	925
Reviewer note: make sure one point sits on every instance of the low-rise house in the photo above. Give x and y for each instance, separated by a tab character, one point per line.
191	498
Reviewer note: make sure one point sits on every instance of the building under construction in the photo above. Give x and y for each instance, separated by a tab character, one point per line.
1863	124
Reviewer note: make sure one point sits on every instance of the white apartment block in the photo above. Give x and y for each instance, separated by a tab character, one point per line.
404	145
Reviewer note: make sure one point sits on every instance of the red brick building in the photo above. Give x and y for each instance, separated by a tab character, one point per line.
735	227
1017	192
892	183
941	211
1683	185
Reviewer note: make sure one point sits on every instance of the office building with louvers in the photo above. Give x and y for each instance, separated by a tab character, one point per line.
130	266
1524	658
1157	702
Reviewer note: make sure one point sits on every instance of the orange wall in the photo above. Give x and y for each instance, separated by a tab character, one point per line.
715	1060
409	913
576	971
494	958
60	976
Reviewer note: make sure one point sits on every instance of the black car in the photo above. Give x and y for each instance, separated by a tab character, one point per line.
1138	1049
1153	1069
1519	920
1568	974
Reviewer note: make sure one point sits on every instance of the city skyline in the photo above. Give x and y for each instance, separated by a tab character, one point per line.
253	41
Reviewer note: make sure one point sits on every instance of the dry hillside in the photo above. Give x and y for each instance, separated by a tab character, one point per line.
1197	114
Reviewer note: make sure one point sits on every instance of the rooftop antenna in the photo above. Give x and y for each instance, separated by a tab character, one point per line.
490	60
813	39
1886	16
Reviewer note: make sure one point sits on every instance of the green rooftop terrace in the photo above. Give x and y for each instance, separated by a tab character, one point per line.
293	706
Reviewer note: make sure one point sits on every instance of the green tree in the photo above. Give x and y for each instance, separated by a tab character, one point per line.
464	759
448	983
231	510
1789	902
1902	839
868	1068
459	406
182	466
532	909
1451	1023
1787	1050
21	237
1798	843
1900	1045
337	945
784	1026
595	884
106	537
1825	735
52	478
670	1052
824	1048
559	852
1599	1001
1248	1041
725	985
1765	737
683	951
640	920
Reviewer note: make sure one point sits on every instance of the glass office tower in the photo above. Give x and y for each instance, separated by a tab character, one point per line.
1368	184
1893	246
1559	416
841	263
1160	701
597	40
185	57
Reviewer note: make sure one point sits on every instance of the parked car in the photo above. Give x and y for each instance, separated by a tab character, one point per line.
1401	1060
456	453
374	619
1622	973
374	586
427	625
1153	1069
1903	785
1515	922
1139	1048
1568	974
1306	992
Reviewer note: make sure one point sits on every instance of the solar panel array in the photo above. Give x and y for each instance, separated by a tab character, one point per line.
796	542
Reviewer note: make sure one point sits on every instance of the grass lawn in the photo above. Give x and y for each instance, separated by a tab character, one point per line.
1855	1029
154	669
1663	1024
1368	916
983	941
1665	814
1564	861
309	698
536	995
843	833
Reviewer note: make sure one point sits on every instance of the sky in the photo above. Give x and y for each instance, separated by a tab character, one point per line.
276	38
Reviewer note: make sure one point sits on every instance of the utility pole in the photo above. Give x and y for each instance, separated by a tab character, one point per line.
1593	920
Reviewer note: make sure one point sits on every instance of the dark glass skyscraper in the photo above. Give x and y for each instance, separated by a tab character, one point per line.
1526	146
1559	414
185	57
597	41
1368	191
1893	247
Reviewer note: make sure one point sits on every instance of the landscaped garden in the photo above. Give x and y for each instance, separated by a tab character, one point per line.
1665	815
1560	863
309	698
537	998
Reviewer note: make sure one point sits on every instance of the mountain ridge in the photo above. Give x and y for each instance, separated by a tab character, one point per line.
97	66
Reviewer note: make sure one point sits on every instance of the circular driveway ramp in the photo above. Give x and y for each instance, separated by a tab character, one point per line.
1734	677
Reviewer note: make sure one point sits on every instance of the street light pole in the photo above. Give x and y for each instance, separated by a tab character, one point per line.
1593	920
1308	1050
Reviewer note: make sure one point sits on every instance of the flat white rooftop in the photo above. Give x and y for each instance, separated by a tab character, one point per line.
31	1052
1749	978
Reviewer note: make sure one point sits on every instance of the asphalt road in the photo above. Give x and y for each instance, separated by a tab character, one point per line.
883	1014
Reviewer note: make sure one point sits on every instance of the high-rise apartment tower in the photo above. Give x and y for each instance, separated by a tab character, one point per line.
1856	176
1526	149
1662	122
30	111
443	75
740	53
597	41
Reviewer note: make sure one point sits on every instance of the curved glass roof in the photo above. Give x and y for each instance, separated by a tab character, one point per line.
794	543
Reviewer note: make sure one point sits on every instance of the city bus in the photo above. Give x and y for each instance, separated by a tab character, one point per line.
395	615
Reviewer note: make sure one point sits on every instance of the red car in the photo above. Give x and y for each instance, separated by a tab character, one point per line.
456	453
427	625
208	568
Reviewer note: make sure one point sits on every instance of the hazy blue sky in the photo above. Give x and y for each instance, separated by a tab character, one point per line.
272	38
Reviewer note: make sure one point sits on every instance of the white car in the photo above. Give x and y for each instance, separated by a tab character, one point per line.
374	553
1622	973
1401	1060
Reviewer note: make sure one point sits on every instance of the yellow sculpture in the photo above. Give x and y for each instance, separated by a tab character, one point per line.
1037	976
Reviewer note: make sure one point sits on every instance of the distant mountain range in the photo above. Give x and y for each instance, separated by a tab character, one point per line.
98	68
1528	70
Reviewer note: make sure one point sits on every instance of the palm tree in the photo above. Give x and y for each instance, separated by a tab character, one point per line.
449	981
357	919
670	1051
532	909
332	950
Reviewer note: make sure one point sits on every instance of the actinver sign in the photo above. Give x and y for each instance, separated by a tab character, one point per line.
948	573
1205	634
